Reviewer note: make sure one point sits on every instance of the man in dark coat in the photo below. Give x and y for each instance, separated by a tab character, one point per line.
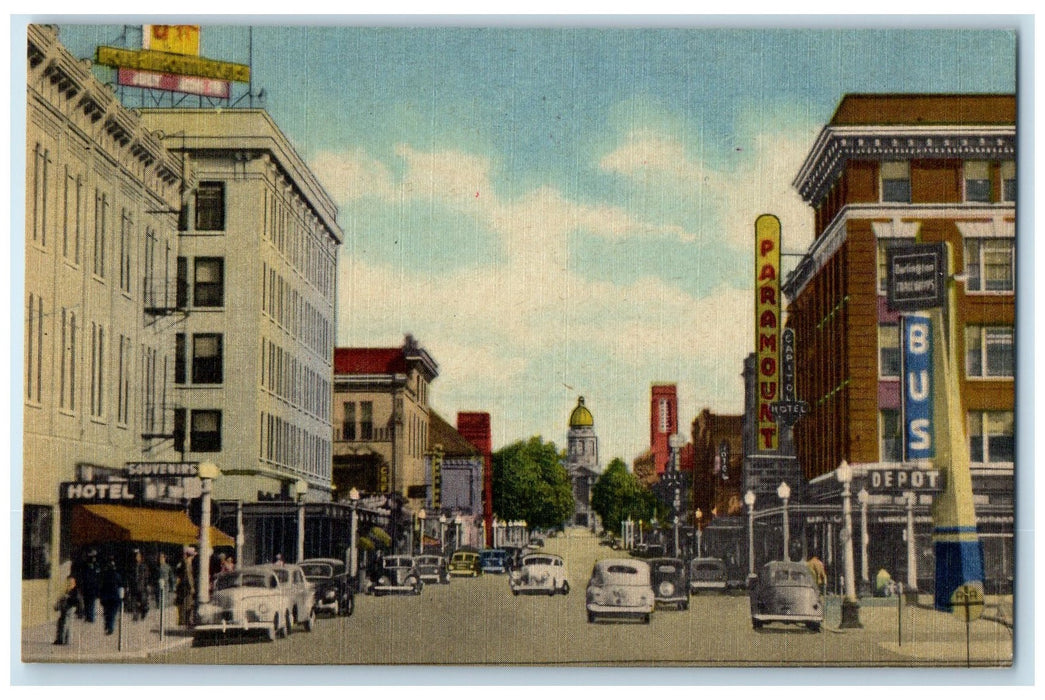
185	588
111	594
69	601
138	587
88	577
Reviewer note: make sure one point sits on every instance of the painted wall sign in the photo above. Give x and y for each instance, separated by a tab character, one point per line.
917	374
190	84
916	276
767	327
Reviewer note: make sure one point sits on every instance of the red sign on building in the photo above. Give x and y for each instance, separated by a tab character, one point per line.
191	84
767	328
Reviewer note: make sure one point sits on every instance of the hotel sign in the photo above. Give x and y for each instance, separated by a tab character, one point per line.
767	329
916	276
97	492
172	63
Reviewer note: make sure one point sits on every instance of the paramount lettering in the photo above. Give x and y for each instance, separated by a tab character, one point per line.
767	324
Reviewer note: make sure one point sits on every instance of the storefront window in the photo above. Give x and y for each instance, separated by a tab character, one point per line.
37	523
888	350
892	436
991	437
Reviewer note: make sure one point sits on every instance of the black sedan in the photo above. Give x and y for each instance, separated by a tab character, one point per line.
396	573
334	591
670	579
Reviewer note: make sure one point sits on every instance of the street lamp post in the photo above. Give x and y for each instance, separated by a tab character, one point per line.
749	501
850	605
300	489
442	534
421	515
865	572
458	523
353	552
784	491
239	533
700	533
911	590
676	522
208	472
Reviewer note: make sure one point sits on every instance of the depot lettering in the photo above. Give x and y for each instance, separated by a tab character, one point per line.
904	480
100	491
767	327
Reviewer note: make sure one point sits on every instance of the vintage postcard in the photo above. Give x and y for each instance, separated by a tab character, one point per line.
503	345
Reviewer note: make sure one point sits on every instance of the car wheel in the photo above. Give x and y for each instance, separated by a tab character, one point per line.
270	633
310	621
279	627
591	616
349	606
565	587
646	618
813	626
288	624
756	624
684	605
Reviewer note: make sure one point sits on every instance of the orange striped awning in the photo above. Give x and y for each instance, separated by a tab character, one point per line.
96	524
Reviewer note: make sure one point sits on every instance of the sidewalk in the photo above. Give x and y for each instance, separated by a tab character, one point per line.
89	643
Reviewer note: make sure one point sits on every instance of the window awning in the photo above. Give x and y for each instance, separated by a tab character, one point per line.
96	524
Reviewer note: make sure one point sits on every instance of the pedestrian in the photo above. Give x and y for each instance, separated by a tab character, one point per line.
164	580
816	568
883	584
68	601
185	588
229	564
138	587
111	594
88	576
279	559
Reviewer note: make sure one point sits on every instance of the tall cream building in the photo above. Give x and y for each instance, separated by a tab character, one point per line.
101	201
256	270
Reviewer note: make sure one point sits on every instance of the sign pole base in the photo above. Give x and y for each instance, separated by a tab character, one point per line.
958	561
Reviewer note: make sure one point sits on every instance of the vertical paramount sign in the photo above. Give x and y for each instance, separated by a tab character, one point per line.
767	328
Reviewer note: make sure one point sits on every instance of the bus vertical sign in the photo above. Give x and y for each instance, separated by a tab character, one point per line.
917	373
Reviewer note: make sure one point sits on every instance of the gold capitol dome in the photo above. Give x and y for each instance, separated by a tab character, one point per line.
581	416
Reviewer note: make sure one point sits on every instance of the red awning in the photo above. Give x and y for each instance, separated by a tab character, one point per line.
96	524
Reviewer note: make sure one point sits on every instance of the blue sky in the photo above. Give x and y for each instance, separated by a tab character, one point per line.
564	211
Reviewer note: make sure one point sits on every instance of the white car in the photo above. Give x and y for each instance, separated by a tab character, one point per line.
300	592
540	573
620	588
245	601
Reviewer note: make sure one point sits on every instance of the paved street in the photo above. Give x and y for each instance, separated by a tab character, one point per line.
478	621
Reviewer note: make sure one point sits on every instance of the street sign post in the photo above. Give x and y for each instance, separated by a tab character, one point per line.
967	604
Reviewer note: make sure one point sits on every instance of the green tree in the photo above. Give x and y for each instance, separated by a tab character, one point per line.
618	495
530	483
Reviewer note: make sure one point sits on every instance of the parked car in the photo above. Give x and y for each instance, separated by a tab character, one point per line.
300	592
333	591
785	592
707	574
396	574
513	556
249	600
620	588
432	568
465	564
493	561
540	573
536	541
670	582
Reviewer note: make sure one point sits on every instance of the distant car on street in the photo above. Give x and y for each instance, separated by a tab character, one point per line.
493	561
333	590
432	568
670	582
540	573
707	574
250	600
396	573
464	564
785	592
620	588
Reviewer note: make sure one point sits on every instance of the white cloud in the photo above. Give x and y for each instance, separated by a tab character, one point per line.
451	177
646	155
353	174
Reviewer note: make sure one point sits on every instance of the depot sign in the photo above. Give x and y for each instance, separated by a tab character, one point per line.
924	480
767	328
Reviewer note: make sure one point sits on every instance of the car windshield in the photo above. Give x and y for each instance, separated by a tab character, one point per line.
492	556
428	561
792	576
317	570
709	567
242	580
392	562
622	574
538	561
464	557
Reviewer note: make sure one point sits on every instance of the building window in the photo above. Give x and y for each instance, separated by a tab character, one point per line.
126	234
888	350
989	351
991	437
977	181
1008	181
892	435
123	360
67	378
366	420
179	358
206	358
41	163
348	426
34	347
210	206
101	223
883	263
206	431
37	524
896	181
989	264
209	286
182	283
97	370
